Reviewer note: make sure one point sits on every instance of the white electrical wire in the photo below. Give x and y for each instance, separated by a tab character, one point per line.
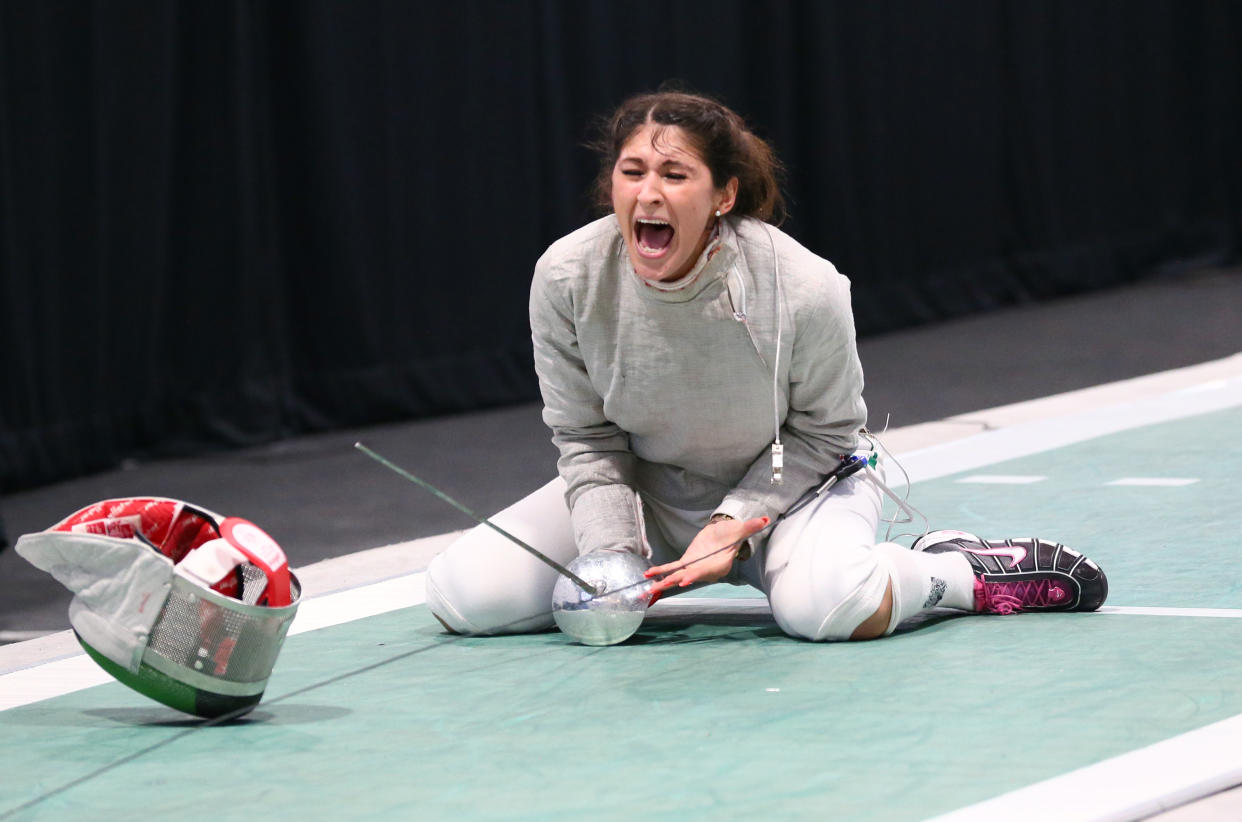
903	503
778	450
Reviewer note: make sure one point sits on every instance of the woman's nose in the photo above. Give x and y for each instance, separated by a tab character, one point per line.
650	192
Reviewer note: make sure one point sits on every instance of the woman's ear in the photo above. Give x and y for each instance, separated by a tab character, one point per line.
728	196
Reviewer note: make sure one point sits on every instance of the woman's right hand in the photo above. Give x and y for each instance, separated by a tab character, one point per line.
709	558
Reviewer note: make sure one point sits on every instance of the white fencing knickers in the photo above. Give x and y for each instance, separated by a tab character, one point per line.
820	567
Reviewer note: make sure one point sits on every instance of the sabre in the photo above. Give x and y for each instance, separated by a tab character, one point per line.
556	566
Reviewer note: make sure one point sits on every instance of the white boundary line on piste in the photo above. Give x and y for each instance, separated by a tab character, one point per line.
1127	787
759	605
1146	781
76	672
1038	436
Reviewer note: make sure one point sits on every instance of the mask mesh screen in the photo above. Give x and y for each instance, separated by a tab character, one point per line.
219	641
254	583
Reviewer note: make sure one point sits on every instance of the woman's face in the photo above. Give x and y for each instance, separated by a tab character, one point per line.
664	200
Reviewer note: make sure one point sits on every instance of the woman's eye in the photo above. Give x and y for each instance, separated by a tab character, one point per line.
629	172
673	175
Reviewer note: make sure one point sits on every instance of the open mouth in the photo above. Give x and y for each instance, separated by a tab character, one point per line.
653	236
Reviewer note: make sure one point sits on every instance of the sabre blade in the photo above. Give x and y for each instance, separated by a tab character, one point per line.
539	555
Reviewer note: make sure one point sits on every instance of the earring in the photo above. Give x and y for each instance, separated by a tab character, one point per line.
717	212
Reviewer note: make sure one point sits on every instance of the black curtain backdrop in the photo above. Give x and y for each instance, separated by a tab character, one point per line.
229	222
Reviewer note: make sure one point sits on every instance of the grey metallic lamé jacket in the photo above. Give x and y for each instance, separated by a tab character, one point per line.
670	393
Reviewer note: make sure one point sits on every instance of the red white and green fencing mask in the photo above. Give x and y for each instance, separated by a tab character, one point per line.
180	604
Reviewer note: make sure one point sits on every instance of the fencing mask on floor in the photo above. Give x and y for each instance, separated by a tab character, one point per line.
180	604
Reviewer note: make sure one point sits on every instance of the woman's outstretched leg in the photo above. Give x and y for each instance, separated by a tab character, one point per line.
826	580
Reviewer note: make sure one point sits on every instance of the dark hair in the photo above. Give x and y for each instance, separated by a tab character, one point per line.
719	136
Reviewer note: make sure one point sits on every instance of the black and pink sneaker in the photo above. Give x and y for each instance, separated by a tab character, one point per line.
1015	575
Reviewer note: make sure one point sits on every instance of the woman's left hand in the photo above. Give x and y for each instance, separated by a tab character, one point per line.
704	561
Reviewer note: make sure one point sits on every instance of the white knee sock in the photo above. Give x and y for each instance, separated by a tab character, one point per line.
921	581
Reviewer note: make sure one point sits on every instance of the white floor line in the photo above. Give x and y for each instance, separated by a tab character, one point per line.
759	605
685	605
74	673
64	676
1211	613
357	603
1205	377
1129	787
1001	479
1155	482
1041	435
22	636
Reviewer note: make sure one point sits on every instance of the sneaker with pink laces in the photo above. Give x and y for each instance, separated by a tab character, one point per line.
1015	575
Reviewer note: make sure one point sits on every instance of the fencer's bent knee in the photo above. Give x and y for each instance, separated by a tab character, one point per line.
441	605
483	584
831	593
467	609
483	603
